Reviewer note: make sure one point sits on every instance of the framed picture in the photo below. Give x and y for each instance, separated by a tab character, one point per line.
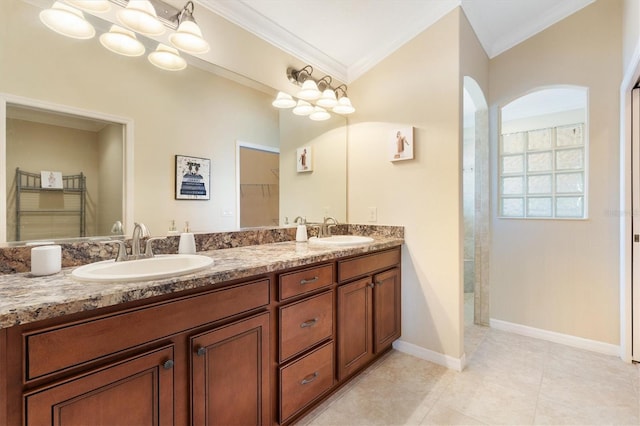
401	144
304	158
193	178
50	180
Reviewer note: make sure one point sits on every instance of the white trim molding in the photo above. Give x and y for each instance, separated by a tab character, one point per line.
552	336
456	364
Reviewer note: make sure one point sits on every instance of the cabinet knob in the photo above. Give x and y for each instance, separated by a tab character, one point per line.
379	282
309	323
202	351
168	364
310	378
309	281
371	285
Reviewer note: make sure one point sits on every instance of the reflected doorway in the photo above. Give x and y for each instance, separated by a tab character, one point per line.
258	185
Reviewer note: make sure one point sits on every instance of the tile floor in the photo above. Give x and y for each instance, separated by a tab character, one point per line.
509	379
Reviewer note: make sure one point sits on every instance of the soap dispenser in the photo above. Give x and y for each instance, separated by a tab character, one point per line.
301	231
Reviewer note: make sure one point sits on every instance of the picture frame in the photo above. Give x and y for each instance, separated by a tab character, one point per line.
193	178
304	159
51	180
401	144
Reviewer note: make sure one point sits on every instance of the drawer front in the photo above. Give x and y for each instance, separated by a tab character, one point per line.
348	269
306	379
305	323
300	282
62	347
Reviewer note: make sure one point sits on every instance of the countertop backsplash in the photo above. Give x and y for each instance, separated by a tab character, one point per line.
18	259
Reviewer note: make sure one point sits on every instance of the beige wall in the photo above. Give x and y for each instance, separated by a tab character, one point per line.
631	31
418	85
328	193
556	275
192	113
110	188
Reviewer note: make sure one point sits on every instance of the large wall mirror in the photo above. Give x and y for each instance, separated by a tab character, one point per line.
202	111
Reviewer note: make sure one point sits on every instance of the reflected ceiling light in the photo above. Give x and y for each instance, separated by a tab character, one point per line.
319	114
315	96
122	41
140	16
67	21
98	6
283	100
303	108
188	36
167	58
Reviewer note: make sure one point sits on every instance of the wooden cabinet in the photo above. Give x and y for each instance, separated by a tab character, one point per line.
136	391
258	352
368	309
230	374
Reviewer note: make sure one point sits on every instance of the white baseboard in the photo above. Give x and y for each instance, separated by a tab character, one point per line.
552	336
445	360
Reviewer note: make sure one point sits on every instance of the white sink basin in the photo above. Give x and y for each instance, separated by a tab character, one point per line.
160	266
340	240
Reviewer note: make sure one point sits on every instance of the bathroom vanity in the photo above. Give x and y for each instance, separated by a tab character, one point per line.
260	337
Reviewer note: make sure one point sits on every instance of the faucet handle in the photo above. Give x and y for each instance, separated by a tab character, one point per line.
122	249
148	251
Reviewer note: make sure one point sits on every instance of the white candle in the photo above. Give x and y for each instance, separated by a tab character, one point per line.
46	260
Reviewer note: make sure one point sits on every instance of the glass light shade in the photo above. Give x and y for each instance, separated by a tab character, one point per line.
188	38
67	21
283	100
122	42
98	6
140	16
319	114
303	108
167	58
344	106
328	99
309	91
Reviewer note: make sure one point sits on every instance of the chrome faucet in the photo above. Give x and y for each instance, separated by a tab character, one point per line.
139	231
325	227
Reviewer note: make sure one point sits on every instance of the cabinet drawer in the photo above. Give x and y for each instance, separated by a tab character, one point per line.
62	347
300	282
363	265
305	323
304	380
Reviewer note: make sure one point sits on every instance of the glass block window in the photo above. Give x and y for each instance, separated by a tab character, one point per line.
543	173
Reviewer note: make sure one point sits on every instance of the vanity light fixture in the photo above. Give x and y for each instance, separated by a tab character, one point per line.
97	6
68	21
167	58
140	16
188	36
315	97
146	17
122	41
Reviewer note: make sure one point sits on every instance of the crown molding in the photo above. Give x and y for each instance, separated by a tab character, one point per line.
248	18
560	11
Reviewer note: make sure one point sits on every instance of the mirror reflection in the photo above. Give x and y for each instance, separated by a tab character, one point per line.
202	111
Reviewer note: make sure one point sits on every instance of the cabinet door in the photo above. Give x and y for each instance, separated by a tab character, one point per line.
138	391
355	346
386	297
230	374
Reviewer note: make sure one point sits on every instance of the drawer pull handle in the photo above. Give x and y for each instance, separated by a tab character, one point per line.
168	364
309	323
202	351
309	281
310	378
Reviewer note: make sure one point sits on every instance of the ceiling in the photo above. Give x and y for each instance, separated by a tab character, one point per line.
345	38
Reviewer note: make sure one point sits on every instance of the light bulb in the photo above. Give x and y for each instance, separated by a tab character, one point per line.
344	106
188	38
303	108
140	16
319	114
122	42
167	58
283	100
309	91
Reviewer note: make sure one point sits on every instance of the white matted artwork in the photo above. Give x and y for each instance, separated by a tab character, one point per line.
51	180
193	178
304	159
401	144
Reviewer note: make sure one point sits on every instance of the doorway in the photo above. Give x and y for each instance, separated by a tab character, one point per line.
635	222
258	173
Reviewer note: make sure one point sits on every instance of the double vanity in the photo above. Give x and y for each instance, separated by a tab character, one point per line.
260	335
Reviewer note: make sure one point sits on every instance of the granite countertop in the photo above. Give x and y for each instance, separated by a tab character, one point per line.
25	298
